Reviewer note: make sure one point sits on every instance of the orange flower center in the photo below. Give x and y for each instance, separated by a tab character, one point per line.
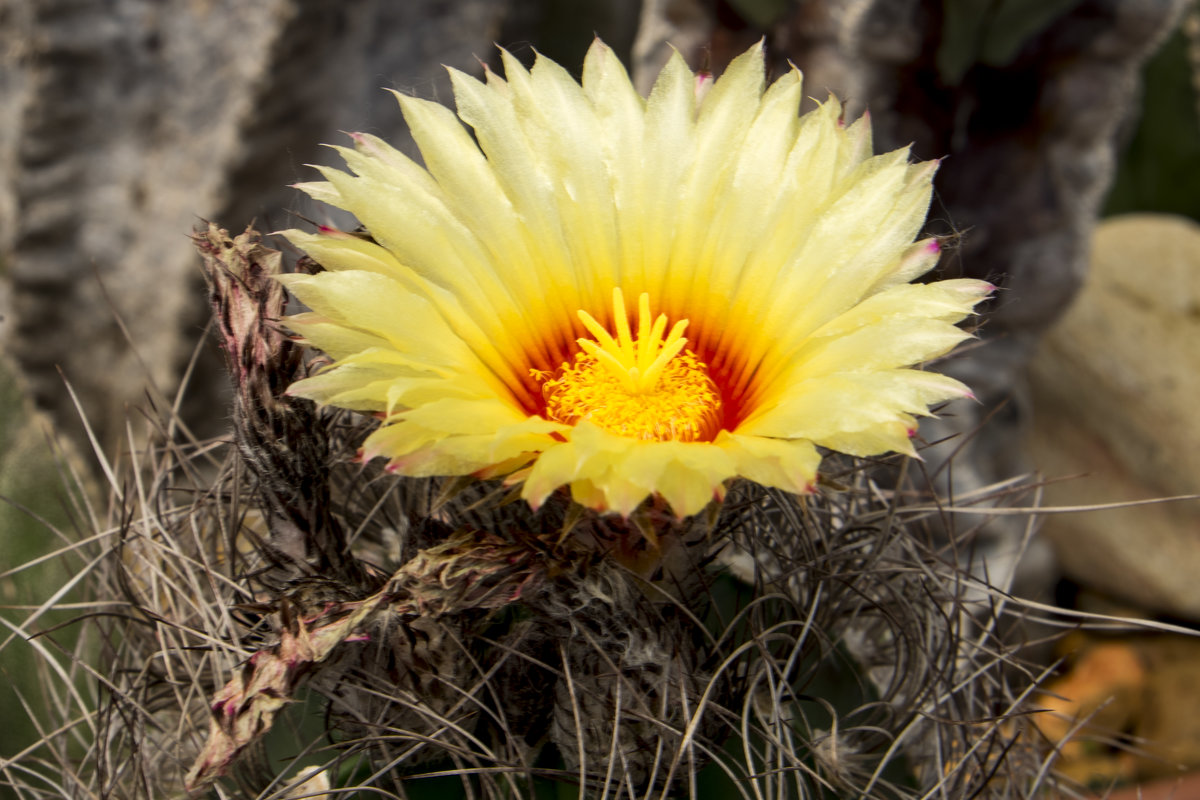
649	387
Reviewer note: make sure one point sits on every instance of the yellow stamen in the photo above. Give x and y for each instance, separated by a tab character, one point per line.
648	388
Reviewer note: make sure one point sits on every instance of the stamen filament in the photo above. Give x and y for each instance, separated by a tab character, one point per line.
597	330
637	364
669	352
656	333
650	387
613	363
643	336
624	337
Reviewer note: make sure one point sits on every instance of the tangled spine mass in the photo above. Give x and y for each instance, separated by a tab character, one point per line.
442	628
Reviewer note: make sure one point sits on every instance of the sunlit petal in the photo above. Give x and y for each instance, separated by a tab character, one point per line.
625	298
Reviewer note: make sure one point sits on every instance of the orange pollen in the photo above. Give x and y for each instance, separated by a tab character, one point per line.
649	387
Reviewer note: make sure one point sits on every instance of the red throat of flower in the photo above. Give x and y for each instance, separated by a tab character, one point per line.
648	386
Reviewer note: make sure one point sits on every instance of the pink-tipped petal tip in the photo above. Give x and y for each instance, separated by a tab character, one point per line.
335	233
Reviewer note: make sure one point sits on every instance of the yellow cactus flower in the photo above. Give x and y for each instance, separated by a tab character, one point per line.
627	296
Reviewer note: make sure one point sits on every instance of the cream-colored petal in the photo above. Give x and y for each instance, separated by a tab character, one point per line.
337	341
854	238
373	303
785	464
904	325
845	256
420	452
423	234
857	141
723	122
342	251
626	471
378	162
887	344
561	124
686	474
945	301
475	195
804	185
502	355
621	113
822	408
353	386
893	436
463	415
321	191
918	259
490	111
668	153
746	212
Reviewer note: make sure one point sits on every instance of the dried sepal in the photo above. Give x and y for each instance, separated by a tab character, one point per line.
279	437
470	572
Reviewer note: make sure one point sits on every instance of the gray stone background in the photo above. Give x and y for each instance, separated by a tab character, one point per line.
122	123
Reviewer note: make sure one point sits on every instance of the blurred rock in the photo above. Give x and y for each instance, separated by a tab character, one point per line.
1125	709
1114	389
1099	697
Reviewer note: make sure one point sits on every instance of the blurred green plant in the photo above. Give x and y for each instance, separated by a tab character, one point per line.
33	505
762	13
1165	147
991	32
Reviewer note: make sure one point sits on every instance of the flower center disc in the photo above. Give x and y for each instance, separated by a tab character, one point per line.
649	387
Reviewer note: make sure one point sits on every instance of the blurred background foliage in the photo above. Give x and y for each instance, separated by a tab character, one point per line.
35	519
1160	168
990	32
